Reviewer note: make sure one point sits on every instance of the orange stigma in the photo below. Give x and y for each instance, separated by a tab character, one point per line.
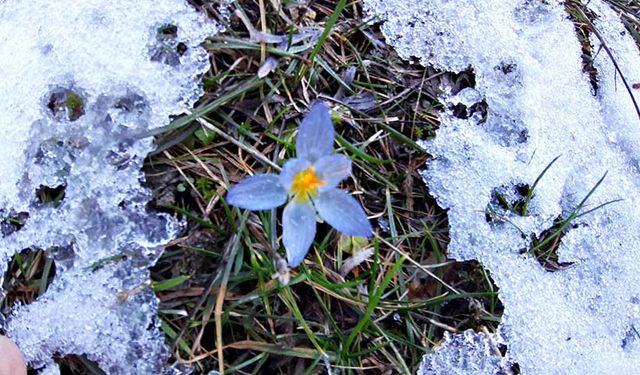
305	184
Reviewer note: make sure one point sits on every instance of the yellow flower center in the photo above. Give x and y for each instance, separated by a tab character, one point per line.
305	184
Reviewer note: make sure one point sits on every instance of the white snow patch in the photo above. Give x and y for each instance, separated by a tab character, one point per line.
466	353
527	64
84	82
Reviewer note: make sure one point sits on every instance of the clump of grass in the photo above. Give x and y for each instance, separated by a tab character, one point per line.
30	273
224	308
545	247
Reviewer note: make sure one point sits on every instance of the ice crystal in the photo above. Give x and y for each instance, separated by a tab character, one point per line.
84	84
539	105
466	353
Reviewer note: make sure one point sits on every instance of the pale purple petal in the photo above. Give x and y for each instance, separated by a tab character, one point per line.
332	169
343	212
259	192
316	134
298	230
290	169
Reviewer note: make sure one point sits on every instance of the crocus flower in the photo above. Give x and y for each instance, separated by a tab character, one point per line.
309	184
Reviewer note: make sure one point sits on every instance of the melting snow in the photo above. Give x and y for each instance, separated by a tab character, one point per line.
84	82
580	319
467	353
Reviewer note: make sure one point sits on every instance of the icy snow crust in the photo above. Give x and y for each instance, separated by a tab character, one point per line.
467	353
582	319
84	83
